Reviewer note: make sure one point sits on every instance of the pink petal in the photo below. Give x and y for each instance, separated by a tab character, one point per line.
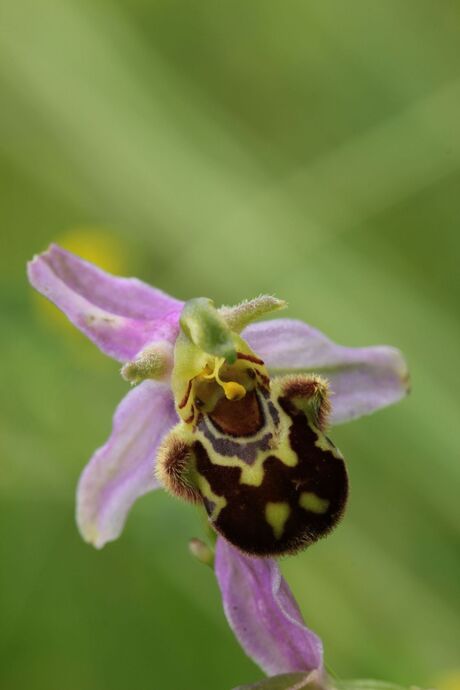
263	613
123	469
362	379
120	315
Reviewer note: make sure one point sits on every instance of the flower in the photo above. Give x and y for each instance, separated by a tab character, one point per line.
191	367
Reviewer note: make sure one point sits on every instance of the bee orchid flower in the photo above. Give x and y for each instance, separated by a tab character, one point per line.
231	415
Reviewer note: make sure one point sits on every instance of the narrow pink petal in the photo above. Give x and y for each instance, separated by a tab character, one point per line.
120	315
123	469
263	613
128	297
362	379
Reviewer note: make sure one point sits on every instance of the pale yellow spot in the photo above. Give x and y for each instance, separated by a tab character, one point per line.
323	443
206	491
310	501
283	450
98	245
276	515
252	475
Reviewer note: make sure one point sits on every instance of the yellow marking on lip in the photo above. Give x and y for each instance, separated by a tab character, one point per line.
313	503
276	515
206	491
323	443
253	475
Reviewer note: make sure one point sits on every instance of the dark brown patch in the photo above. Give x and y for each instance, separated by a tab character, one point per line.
242	521
184	400
238	417
273	413
250	358
264	379
190	419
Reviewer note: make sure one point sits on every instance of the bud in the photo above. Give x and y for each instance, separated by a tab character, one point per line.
201	552
153	362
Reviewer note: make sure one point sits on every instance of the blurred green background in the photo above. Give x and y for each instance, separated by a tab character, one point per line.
309	149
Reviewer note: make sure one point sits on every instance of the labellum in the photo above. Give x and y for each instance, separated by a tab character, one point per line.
252	450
